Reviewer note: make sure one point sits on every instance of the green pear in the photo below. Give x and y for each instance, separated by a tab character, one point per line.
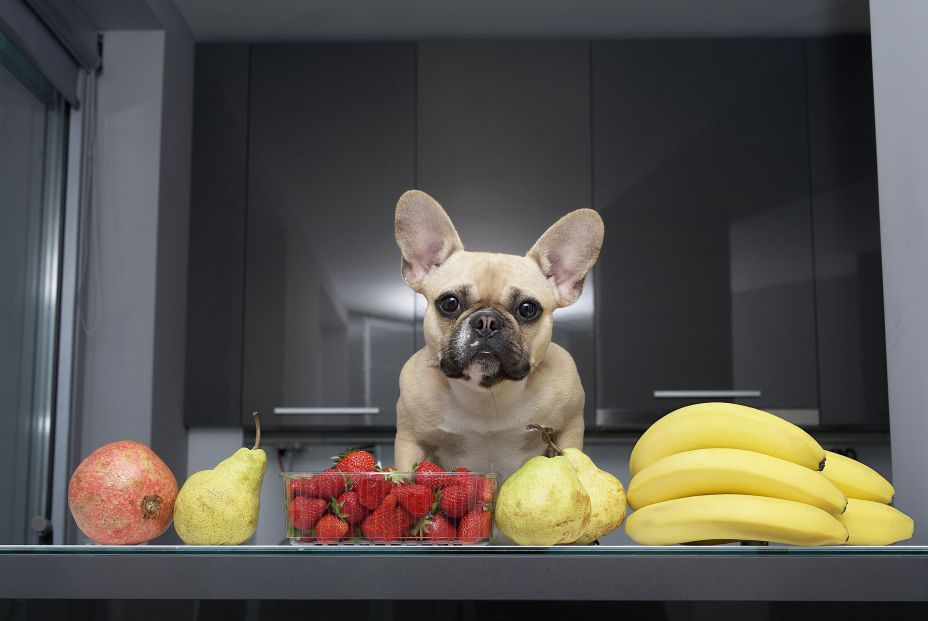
220	506
543	503
607	496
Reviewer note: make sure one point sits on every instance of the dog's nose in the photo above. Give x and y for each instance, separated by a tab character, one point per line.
486	323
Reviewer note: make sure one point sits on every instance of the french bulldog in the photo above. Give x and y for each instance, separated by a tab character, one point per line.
489	367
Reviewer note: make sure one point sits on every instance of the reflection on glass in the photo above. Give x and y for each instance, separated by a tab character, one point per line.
328	318
31	121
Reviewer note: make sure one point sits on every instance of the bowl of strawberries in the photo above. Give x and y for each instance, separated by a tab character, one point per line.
358	502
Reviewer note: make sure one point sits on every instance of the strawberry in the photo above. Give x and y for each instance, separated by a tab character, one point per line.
417	499
456	500
401	523
388	503
486	487
354	532
349	508
476	525
327	484
355	460
374	487
436	528
463	476
298	487
330	528
304	511
381	525
458	497
430	475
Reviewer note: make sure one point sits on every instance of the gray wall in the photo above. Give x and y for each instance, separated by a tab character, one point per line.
134	291
168	434
900	58
119	289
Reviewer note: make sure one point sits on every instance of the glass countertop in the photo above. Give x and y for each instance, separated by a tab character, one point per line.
460	550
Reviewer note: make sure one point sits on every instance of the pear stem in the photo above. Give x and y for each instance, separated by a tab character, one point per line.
546	434
257	430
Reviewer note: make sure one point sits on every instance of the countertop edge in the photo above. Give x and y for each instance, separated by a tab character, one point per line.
476	574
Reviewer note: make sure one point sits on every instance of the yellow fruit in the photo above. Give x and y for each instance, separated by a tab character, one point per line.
732	471
725	425
872	523
734	517
857	480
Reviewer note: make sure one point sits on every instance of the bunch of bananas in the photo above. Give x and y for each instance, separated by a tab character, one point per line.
720	472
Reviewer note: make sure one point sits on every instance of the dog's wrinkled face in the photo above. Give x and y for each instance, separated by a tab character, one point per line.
489	316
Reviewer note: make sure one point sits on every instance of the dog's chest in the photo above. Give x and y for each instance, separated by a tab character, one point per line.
502	451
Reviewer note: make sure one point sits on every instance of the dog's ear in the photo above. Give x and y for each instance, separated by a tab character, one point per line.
567	251
424	234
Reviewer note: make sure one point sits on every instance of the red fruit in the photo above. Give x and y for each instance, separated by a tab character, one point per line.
373	488
354	532
376	527
354	460
304	511
417	499
486	487
349	508
475	526
122	493
327	484
402	522
457	499
436	528
330	528
388	503
430	475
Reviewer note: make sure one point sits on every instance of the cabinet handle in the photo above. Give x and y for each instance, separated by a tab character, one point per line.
328	411
706	394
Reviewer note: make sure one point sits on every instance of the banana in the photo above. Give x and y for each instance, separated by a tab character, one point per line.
725	425
734	516
872	523
857	480
732	471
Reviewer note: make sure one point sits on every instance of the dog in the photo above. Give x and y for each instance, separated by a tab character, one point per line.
489	367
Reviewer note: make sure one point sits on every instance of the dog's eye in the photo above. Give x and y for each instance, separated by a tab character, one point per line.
528	310
449	305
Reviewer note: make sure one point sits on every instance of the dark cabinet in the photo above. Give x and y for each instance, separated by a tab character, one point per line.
328	319
504	144
216	268
701	173
736	179
848	273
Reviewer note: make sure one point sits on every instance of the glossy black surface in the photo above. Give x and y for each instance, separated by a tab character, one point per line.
848	270
328	320
701	173
216	268
736	179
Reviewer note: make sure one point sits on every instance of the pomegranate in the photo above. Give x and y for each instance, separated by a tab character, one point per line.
122	494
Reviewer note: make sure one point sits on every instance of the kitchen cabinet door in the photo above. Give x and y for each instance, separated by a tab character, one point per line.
701	174
504	146
328	319
215	285
845	206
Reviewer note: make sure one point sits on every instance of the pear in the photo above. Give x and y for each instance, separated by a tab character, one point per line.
543	503
220	506
607	496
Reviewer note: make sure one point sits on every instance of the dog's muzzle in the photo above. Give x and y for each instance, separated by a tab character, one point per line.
485	344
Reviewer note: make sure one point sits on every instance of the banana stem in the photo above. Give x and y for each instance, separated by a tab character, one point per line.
257	430
546	434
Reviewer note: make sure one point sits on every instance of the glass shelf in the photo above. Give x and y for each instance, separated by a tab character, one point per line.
431	550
